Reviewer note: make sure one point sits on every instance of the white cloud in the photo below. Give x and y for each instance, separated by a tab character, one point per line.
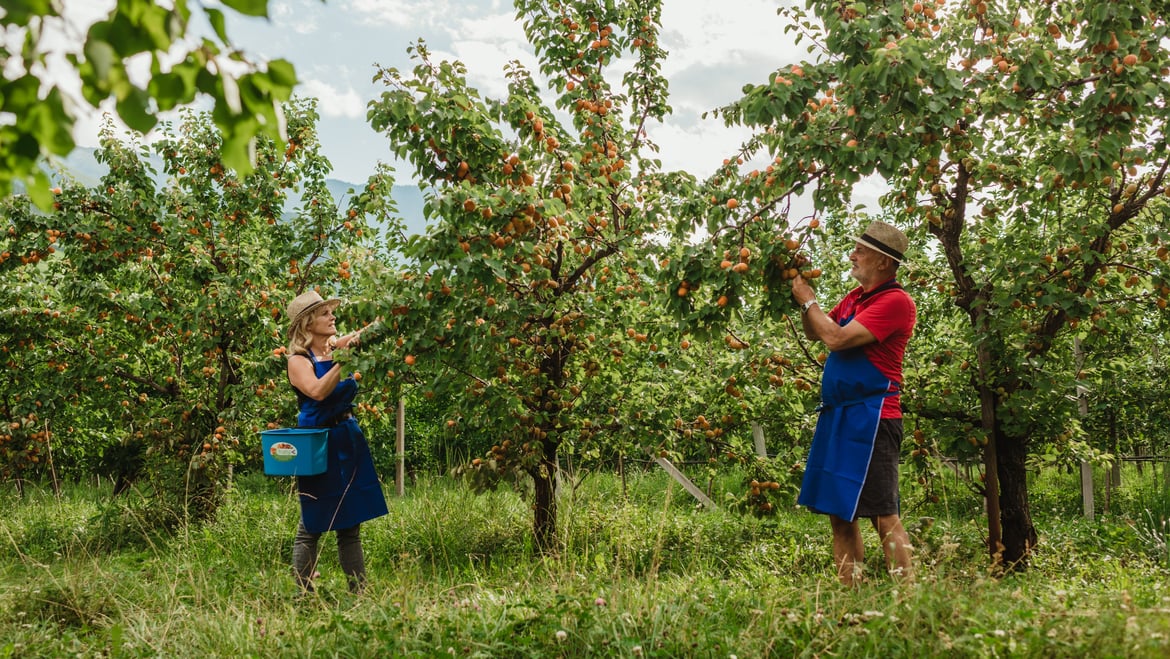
333	102
301	19
491	43
713	52
412	14
699	31
697	149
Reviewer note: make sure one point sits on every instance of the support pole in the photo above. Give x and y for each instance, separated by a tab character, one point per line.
758	440
684	481
400	448
1087	504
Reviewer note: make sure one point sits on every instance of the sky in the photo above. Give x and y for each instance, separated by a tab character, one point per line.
714	48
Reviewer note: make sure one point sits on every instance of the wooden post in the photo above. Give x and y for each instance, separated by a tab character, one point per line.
400	448
53	468
622	471
1115	448
758	440
684	481
1083	408
1087	489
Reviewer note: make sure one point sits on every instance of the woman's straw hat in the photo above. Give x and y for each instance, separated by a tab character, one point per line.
306	302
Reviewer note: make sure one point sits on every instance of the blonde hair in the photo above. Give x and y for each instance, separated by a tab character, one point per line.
299	337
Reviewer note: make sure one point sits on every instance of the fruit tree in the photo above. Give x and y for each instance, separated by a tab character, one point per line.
155	300
530	294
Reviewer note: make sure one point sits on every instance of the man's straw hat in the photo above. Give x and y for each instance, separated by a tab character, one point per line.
885	238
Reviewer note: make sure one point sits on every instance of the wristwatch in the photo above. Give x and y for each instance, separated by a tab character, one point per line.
807	305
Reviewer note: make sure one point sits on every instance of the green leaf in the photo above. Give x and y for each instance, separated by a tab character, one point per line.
237	144
134	109
249	7
216	18
102	57
18	12
168	88
282	74
156	24
343	357
176	87
53	119
39	190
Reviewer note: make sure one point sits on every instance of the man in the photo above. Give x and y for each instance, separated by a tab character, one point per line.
852	467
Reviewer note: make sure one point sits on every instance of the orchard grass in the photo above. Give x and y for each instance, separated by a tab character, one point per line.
644	573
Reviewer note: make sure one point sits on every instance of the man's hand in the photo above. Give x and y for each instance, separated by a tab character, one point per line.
801	290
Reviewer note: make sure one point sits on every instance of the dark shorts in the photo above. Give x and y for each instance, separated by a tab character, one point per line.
879	494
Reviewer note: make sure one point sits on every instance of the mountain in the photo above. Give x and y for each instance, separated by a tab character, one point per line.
407	198
82	166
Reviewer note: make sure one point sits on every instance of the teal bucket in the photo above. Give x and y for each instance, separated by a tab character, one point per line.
295	451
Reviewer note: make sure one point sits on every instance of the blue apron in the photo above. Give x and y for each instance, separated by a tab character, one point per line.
852	393
348	492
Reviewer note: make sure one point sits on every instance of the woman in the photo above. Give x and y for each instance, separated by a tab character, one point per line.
348	492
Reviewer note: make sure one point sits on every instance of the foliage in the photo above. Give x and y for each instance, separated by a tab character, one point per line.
246	96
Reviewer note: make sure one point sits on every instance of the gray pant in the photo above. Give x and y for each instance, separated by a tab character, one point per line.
349	552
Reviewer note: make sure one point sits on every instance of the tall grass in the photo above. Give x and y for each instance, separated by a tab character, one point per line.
648	574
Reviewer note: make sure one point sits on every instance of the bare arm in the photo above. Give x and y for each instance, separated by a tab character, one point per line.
304	378
353	338
818	326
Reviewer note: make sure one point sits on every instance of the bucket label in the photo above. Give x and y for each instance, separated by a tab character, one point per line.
283	452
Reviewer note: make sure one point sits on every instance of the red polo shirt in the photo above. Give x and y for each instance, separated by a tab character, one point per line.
889	315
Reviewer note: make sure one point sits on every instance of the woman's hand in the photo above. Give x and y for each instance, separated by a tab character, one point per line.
348	341
341	357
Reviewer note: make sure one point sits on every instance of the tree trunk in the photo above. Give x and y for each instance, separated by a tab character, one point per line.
1019	535
544	508
990	457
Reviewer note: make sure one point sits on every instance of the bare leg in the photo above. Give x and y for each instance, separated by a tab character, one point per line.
848	550
895	544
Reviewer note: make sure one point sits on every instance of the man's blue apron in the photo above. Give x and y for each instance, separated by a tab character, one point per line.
348	492
852	393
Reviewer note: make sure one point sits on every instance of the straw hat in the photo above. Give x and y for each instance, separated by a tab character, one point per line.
306	302
886	239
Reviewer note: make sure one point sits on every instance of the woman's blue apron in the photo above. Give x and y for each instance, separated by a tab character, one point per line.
852	393
348	492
